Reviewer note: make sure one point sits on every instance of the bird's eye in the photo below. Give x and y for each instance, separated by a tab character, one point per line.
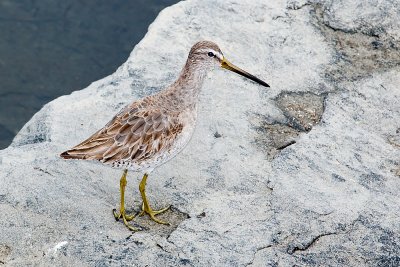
211	54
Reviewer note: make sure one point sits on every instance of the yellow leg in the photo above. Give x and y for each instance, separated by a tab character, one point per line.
146	205
122	214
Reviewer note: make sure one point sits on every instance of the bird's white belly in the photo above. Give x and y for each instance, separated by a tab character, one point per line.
180	143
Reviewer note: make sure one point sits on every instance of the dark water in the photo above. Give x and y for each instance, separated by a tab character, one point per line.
50	48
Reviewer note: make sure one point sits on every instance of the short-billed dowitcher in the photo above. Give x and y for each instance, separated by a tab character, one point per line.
152	130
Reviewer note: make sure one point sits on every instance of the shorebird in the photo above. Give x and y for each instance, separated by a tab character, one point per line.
152	130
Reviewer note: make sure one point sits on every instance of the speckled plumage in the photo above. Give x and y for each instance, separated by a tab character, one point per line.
152	130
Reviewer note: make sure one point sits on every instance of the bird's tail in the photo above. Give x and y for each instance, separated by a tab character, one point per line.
92	148
90	151
70	155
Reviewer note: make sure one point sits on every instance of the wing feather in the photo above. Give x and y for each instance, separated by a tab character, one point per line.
136	134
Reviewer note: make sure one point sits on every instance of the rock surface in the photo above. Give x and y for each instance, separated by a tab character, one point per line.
306	173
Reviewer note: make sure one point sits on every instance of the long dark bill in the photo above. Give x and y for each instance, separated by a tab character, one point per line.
229	66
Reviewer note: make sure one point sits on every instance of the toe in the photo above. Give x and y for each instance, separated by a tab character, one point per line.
130	217
130	227
155	212
116	215
157	220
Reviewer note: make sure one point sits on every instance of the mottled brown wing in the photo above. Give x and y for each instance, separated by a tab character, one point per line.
135	134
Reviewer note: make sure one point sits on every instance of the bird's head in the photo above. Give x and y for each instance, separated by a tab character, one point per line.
207	54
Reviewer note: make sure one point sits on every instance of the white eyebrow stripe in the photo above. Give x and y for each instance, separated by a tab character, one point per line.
208	50
219	55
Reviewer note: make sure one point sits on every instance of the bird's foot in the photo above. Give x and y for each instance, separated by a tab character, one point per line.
126	218
146	209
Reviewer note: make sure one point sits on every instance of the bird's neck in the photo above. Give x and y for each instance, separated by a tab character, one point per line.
186	89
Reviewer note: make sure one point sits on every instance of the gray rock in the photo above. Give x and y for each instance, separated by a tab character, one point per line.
308	180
